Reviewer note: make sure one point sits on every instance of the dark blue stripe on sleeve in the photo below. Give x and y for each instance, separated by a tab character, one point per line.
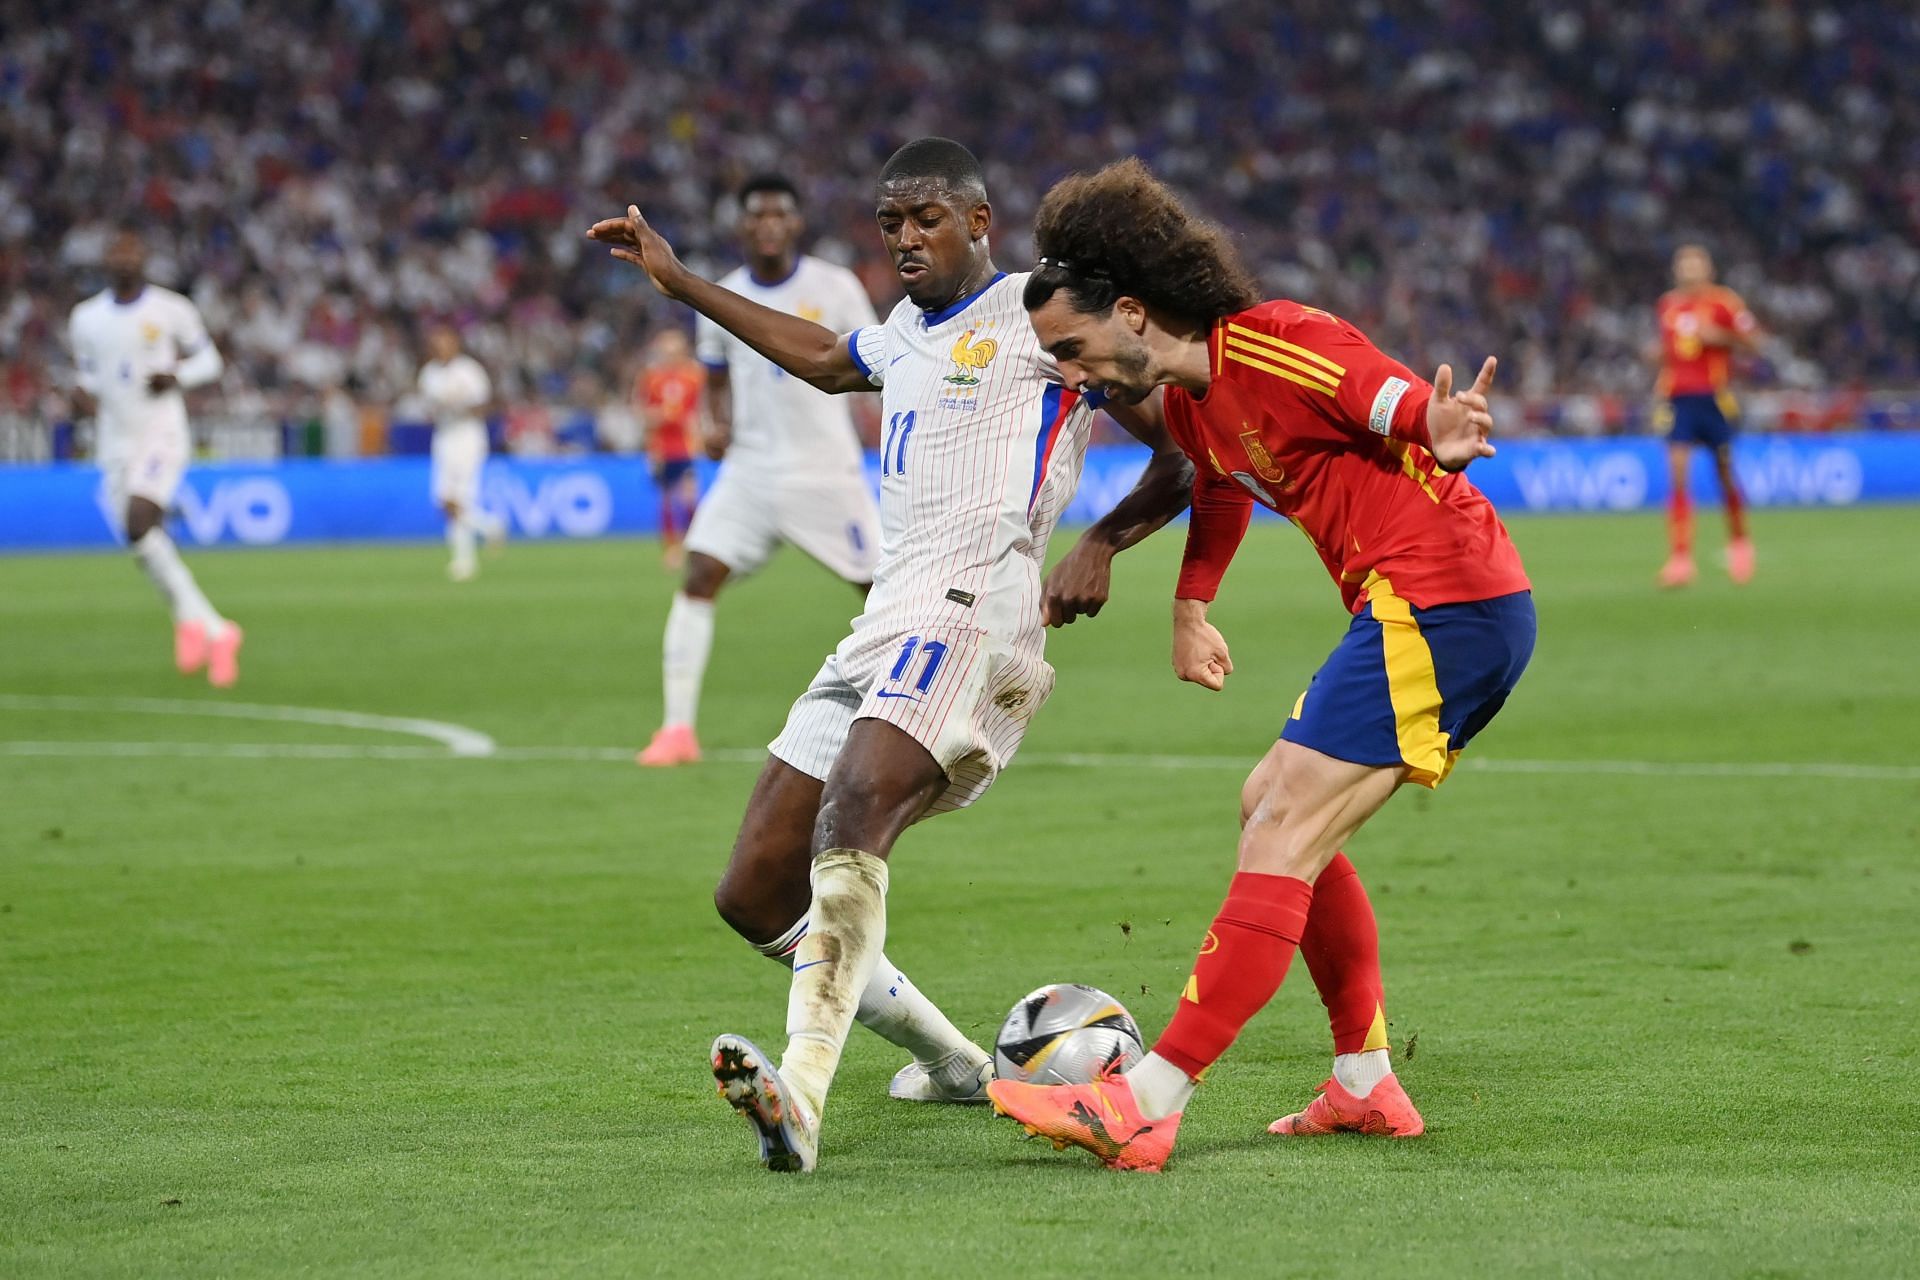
853	349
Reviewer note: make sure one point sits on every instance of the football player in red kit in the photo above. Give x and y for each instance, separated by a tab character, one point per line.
1701	325
1290	407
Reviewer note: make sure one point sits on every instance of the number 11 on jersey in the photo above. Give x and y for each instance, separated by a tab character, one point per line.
893	450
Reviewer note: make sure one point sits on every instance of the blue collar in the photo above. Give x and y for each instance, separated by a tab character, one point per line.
952	309
758	283
114	297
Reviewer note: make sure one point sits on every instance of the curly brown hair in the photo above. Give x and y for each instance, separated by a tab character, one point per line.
1122	232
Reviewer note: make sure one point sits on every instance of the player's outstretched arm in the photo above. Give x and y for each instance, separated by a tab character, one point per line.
1458	422
1083	580
804	349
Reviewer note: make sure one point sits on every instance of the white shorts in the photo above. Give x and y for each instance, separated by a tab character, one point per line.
459	456
966	696
152	469
743	520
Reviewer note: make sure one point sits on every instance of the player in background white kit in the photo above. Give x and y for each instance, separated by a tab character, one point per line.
922	705
792	469
136	347
457	392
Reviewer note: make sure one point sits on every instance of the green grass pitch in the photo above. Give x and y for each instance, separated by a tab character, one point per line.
346	1015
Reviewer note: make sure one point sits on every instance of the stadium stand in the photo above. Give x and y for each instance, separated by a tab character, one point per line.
324	177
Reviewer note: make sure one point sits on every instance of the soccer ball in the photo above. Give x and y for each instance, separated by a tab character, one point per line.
1066	1033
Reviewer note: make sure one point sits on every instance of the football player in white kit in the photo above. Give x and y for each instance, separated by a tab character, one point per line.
136	347
930	695
792	469
457	392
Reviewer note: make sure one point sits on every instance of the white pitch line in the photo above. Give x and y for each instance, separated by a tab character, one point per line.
1482	764
1068	760
458	739
226	751
1704	768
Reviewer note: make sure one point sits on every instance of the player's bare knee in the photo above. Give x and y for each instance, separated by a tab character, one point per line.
1279	842
748	912
1268	819
1287	824
726	901
853	818
1264	798
704	577
870	817
1252	792
1265	778
735	908
882	783
143	517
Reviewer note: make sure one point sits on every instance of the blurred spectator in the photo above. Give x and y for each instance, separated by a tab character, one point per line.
327	178
617	420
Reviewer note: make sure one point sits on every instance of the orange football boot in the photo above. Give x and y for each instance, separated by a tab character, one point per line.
1678	571
1386	1110
1102	1117
672	744
223	655
1740	561
189	647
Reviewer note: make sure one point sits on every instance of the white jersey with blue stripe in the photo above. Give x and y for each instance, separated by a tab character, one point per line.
784	429
118	346
981	447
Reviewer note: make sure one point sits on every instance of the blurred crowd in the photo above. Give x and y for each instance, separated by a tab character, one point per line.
1458	178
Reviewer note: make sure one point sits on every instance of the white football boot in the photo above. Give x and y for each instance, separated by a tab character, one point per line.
789	1137
960	1077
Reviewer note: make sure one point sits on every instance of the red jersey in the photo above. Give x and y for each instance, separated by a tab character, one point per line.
1309	418
670	396
1688	365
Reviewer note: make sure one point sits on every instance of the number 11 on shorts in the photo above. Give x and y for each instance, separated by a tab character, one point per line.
936	653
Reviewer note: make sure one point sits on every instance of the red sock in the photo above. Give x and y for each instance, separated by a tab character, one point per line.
1241	964
1680	522
1736	512
1342	949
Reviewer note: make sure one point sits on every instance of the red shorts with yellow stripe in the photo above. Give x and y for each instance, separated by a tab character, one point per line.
1410	686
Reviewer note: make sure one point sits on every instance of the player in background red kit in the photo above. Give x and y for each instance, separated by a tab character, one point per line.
1291	407
1701	325
668	394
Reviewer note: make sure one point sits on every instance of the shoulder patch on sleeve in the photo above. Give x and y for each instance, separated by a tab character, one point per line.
1385	401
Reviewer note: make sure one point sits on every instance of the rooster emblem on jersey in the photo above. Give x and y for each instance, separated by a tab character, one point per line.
970	359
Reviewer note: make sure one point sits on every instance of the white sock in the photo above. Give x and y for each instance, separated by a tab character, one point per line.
1160	1088
683	661
1359	1072
893	1008
460	539
161	559
834	963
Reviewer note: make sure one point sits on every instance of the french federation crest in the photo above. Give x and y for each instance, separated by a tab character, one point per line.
970	358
